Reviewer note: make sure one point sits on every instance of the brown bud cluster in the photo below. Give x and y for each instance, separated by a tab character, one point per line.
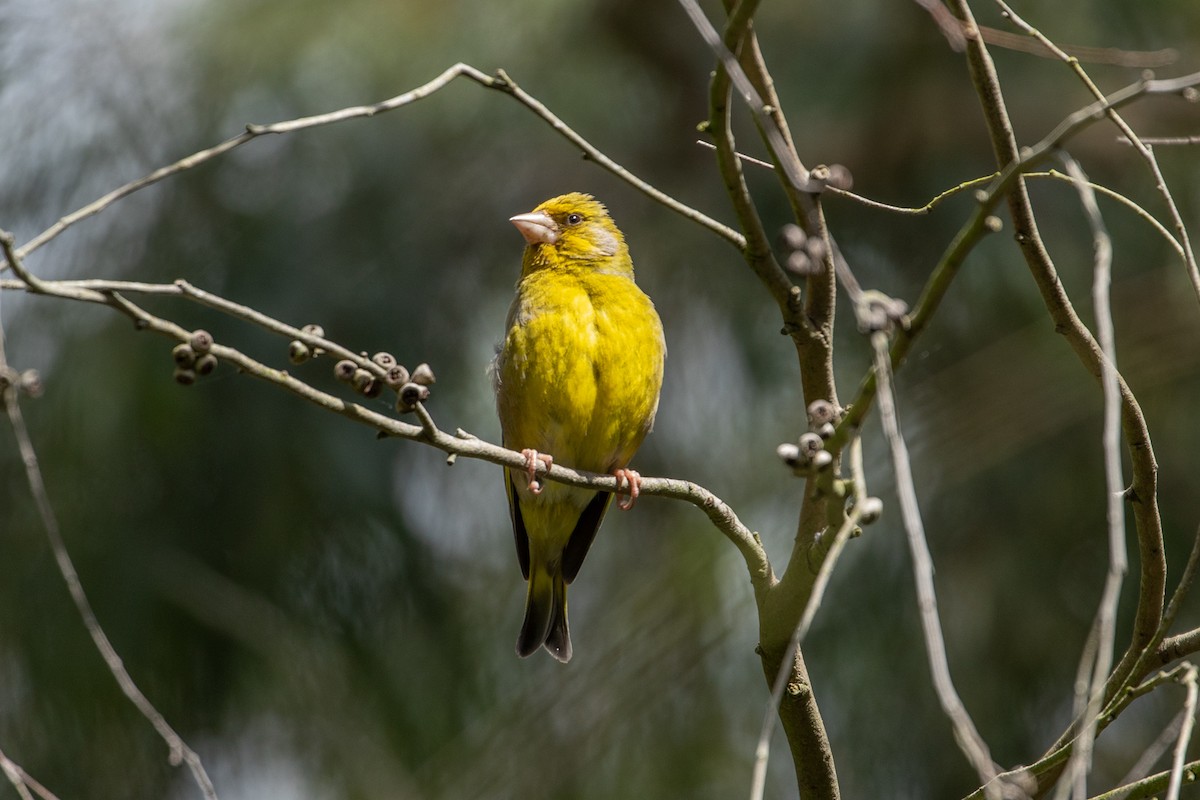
808	453
396	376
415	389
201	341
878	312
193	359
409	395
805	255
299	352
822	417
806	456
365	378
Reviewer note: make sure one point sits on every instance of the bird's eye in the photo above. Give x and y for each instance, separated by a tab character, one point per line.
574	219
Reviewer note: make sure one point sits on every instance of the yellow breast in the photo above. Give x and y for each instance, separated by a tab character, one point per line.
580	370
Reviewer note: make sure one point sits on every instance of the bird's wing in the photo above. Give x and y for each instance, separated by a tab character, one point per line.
518	524
583	534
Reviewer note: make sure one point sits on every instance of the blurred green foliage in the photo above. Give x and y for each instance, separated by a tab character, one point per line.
321	614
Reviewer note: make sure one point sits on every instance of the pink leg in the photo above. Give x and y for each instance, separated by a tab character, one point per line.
532	457
630	481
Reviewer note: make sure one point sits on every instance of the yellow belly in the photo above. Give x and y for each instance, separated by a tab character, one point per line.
580	369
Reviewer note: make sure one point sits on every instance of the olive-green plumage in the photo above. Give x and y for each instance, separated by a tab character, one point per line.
577	377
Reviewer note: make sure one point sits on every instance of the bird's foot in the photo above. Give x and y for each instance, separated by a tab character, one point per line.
532	457
629	482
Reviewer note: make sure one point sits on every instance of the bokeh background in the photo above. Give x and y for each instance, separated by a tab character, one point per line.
325	615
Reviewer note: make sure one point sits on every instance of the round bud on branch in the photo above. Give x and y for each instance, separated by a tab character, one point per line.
385	360
201	341
409	395
184	356
423	375
298	352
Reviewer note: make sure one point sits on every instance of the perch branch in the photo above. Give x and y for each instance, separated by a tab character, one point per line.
110	293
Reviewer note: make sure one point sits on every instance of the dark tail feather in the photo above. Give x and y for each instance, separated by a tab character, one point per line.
558	638
545	617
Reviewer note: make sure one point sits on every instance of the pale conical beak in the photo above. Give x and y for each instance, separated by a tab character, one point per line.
537	228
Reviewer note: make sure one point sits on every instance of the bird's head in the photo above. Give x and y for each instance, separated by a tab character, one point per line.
573	230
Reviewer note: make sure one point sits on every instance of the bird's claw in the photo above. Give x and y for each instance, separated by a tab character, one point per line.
630	482
532	457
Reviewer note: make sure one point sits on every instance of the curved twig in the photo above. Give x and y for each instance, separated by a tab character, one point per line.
500	82
179	751
109	293
1127	133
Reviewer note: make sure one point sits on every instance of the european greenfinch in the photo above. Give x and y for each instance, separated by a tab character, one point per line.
577	380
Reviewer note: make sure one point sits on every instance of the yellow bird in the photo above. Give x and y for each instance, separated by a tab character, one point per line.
577	379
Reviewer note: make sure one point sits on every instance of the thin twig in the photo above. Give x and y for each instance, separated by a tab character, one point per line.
1090	691
758	162
917	210
1143	150
1150	757
1185	732
1143	493
981	223
101	293
1052	763
947	23
1139	59
179	751
796	174
1151	786
757	251
967	736
981	181
503	82
1100	188
500	82
1165	141
1167	650
15	775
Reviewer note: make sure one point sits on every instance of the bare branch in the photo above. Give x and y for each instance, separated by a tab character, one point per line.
1127	132
796	174
1138	59
1099	653
461	444
178	749
1168	141
501	82
1143	491
1152	786
1185	732
981	222
15	775
849	525
965	733
946	22
1150	757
